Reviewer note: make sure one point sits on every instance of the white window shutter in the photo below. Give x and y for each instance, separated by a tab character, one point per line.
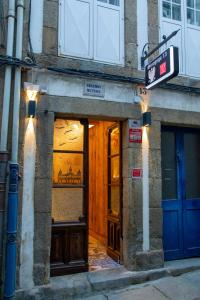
192	51
178	40
108	33
167	26
76	28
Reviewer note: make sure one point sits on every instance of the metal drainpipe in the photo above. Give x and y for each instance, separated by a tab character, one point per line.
10	273
17	84
7	82
4	131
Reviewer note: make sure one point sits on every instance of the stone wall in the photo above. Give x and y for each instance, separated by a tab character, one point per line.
43	182
50	58
134	257
43	188
132	201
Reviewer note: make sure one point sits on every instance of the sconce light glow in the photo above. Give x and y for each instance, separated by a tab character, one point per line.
31	94
31	91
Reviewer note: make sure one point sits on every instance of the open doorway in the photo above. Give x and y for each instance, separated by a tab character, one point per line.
104	214
86	196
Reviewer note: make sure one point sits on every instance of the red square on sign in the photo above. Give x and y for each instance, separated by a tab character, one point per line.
163	68
136	173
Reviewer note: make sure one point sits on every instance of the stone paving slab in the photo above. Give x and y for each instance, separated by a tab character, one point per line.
184	287
178	288
178	267
96	297
146	293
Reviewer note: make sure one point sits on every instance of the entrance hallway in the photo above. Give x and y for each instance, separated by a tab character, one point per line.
98	258
86	196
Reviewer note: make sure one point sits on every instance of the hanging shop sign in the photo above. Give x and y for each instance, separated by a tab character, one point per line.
136	173
163	68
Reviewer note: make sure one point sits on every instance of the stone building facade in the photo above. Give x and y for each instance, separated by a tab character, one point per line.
62	79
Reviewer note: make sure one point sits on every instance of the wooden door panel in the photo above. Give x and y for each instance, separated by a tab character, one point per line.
118	235
68	249
77	244
114	233
111	233
57	254
181	192
114	218
69	246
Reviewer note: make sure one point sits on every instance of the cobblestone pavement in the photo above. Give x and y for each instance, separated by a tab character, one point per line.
98	258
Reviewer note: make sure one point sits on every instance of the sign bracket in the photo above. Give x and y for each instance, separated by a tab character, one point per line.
147	55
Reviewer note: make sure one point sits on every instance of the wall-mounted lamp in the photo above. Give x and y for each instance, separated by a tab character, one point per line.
31	93
146	118
31	108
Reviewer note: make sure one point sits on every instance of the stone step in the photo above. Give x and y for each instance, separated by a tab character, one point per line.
86	284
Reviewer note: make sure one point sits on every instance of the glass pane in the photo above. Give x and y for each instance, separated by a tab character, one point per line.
115	200
176	12
115	169
167	10
176	1
197	4
198	18
104	1
115	143
114	2
169	178
67	204
67	168
190	16
190	3
192	164
68	135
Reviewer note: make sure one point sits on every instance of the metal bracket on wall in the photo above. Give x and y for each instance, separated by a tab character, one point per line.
146	54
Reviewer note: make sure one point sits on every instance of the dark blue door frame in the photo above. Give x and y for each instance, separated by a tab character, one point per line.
181	216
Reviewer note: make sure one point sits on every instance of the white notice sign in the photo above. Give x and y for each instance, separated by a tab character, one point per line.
94	88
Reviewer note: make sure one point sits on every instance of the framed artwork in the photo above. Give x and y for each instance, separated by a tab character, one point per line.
67	168
68	152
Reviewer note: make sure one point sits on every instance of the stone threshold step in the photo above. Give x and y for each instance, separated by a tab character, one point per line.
85	284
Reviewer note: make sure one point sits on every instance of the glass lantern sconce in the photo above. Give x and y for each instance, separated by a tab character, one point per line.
146	119
31	93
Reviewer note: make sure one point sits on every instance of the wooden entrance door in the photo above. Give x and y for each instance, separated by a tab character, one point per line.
114	193
181	192
69	244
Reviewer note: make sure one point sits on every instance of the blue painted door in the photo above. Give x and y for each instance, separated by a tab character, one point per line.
180	149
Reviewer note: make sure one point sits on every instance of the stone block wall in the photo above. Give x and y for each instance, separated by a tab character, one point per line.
49	56
42	195
132	201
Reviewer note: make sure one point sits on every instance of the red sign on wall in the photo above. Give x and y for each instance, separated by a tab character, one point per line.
135	135
136	173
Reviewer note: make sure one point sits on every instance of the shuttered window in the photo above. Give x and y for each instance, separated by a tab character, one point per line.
92	29
183	15
172	9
